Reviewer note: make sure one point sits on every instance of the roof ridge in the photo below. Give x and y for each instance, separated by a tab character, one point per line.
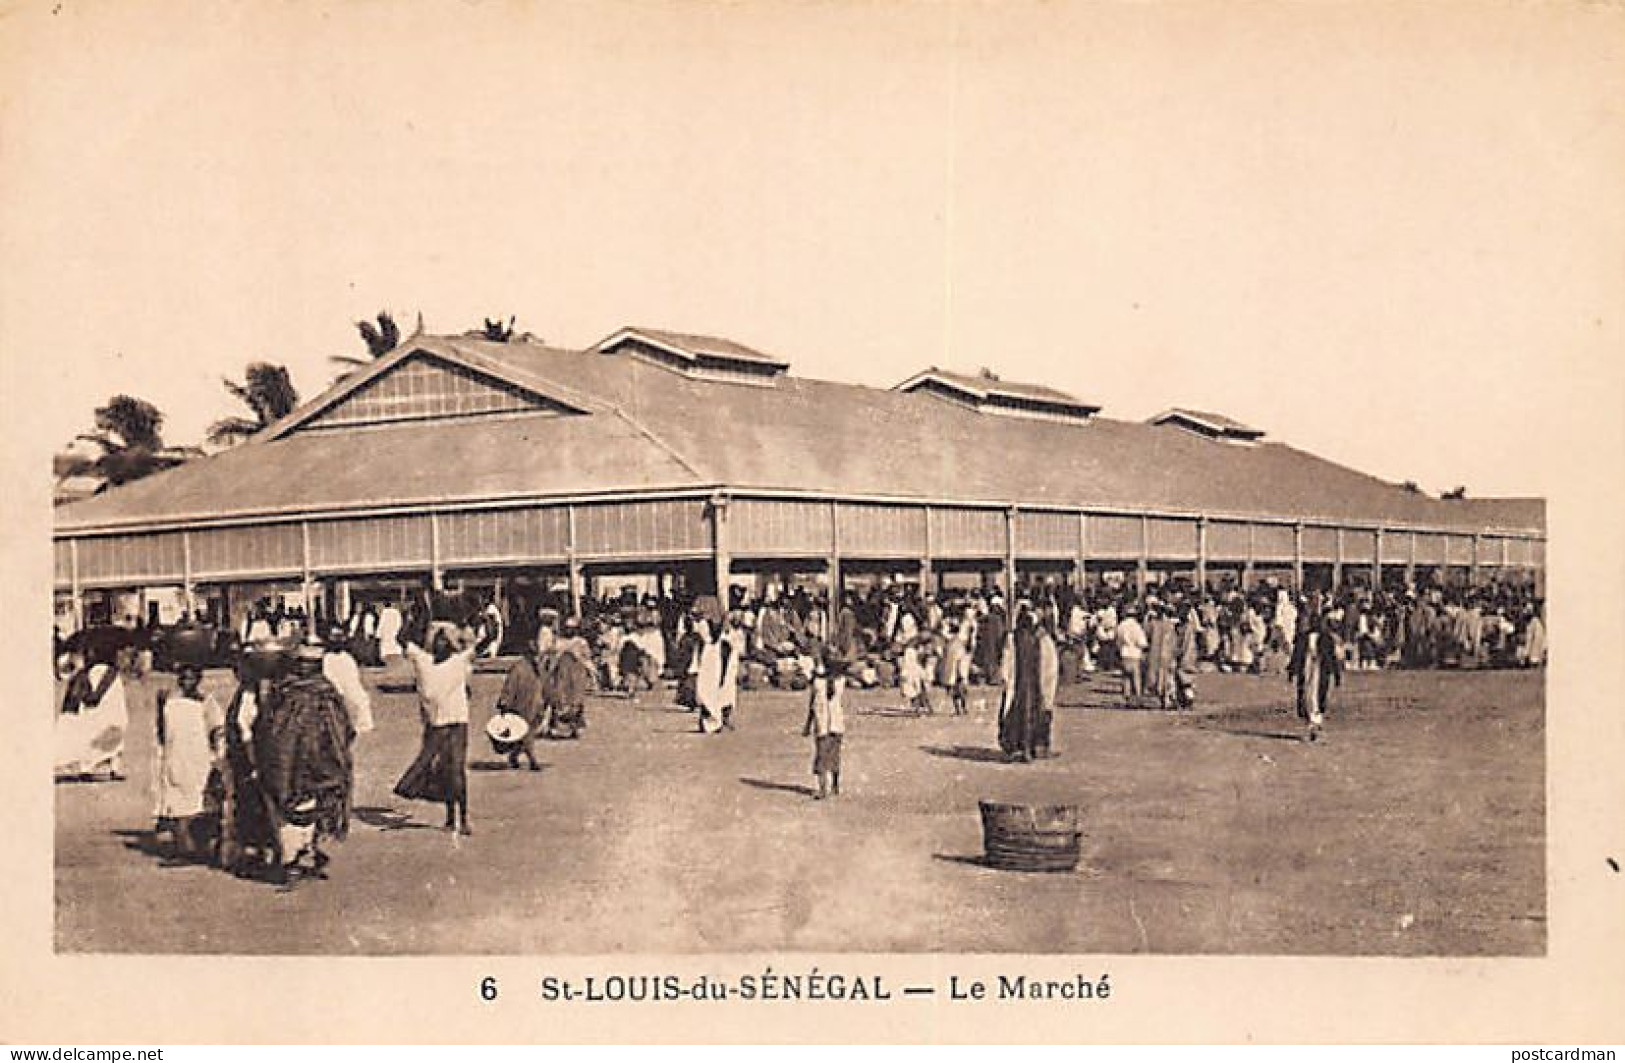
507	370
644	431
604	404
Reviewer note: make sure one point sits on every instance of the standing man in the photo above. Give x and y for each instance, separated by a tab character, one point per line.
390	623
990	639
1021	704
1161	653
1131	647
716	685
1316	664
1049	684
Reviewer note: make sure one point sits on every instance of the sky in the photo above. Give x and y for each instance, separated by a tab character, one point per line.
1388	234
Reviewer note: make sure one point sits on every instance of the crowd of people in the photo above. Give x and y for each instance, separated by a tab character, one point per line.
260	784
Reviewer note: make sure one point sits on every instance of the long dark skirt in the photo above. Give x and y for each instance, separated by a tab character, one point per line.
1042	721
439	773
827	754
1018	725
245	821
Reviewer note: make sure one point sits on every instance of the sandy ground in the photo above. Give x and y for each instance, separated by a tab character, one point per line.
1417	828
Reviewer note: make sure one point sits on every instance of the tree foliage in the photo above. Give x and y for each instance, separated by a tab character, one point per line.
267	391
130	444
381	336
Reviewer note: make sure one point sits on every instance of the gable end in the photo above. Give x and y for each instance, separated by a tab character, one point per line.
425	387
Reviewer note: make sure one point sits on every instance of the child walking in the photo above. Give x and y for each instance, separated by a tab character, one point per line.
915	680
826	722
191	733
954	669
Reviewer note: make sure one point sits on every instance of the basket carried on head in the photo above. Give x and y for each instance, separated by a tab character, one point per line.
507	732
1030	838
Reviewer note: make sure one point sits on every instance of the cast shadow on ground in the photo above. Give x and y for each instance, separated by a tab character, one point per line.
981	861
1249	732
502	766
979	754
388	819
976	860
145	842
782	787
898	711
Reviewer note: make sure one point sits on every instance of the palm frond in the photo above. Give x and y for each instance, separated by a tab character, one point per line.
240	392
101	439
231	430
64	466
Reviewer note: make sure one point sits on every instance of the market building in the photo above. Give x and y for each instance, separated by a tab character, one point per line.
671	460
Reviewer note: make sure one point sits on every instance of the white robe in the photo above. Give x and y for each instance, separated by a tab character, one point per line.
389	632
651	641
913	675
91	741
186	755
341	670
493	621
717	684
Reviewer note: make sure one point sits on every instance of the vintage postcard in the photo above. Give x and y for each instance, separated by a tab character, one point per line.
843	521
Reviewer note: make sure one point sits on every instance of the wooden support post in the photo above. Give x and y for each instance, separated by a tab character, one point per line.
719	547
1297	558
1010	556
572	565
1142	571
926	573
188	599
836	593
1410	564
1473	572
1337	565
75	589
1376	561
1247	565
304	565
1201	554
437	576
1082	563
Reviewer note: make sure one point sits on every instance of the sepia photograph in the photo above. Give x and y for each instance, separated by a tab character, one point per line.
639	480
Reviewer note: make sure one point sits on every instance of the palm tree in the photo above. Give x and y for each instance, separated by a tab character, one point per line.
267	391
380	338
129	438
494	330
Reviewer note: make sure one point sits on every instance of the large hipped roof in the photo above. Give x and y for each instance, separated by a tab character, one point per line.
650	428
